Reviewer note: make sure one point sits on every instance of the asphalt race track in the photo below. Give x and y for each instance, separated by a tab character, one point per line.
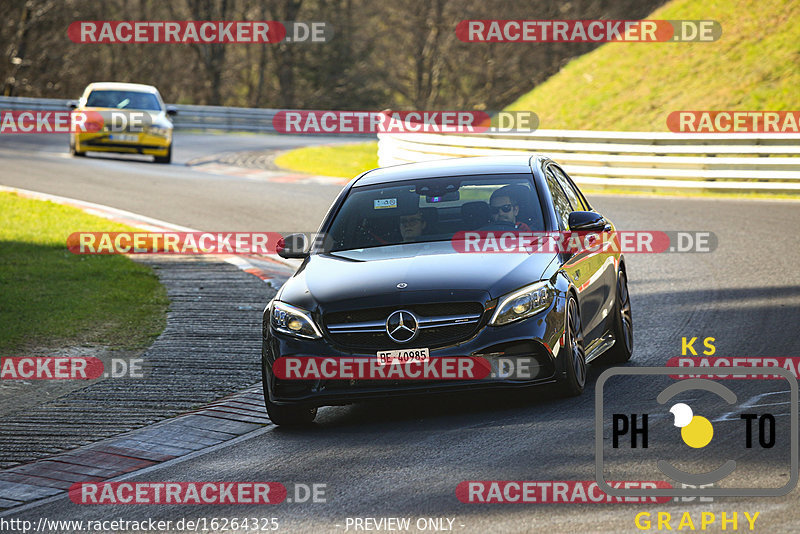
405	458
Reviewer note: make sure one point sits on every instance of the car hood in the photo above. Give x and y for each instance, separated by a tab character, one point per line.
355	277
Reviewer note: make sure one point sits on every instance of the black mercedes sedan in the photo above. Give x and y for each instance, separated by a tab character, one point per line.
393	285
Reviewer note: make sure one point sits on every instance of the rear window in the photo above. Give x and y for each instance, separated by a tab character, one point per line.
123	100
434	209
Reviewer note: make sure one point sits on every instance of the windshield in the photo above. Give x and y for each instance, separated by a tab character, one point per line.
434	209
123	100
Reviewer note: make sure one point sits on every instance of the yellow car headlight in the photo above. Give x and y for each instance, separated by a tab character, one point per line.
158	131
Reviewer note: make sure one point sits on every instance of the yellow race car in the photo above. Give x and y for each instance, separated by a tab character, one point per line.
151	135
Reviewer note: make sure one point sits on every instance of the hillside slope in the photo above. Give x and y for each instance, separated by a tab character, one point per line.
755	65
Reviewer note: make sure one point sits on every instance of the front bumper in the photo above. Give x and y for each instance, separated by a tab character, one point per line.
151	145
536	339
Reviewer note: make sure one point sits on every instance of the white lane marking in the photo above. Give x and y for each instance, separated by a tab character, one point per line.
752	403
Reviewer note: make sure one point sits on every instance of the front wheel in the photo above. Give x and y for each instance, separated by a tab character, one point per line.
164	159
73	151
574	351
284	415
290	415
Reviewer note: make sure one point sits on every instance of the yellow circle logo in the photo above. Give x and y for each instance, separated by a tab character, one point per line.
698	433
696	430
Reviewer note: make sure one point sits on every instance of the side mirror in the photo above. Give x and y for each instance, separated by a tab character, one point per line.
293	246
73	104
580	221
172	111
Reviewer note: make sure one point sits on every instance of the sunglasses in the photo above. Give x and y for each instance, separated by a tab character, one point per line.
505	208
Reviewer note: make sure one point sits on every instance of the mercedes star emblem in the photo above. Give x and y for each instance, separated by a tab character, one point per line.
402	326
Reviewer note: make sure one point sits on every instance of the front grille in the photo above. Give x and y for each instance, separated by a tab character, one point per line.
440	324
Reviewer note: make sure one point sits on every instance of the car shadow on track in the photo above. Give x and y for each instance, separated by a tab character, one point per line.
479	408
128	158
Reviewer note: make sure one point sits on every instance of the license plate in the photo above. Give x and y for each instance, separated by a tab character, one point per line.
124	137
388	357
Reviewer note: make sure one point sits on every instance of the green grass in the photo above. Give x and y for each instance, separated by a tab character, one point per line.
50	297
345	161
634	86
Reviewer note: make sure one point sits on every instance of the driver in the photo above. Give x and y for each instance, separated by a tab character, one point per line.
505	209
412	226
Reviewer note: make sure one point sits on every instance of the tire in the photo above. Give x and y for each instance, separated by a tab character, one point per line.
74	152
290	415
574	351
622	350
164	159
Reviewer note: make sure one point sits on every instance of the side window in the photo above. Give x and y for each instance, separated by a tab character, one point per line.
560	200
574	196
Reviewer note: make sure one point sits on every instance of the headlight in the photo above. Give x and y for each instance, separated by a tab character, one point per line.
523	303
158	131
287	319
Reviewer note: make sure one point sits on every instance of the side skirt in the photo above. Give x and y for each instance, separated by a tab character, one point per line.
600	346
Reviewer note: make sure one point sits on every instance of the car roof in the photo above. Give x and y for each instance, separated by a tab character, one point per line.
513	164
120	86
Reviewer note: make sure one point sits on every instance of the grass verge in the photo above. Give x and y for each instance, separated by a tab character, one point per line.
344	161
50	297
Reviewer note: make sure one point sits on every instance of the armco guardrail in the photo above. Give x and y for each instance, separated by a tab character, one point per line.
188	117
641	160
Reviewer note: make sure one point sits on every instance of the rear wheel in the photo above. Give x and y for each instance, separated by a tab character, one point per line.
623	326
574	352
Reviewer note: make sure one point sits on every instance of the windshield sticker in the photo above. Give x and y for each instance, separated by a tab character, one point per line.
384	203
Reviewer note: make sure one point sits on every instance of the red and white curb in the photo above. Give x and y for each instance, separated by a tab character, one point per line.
210	426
